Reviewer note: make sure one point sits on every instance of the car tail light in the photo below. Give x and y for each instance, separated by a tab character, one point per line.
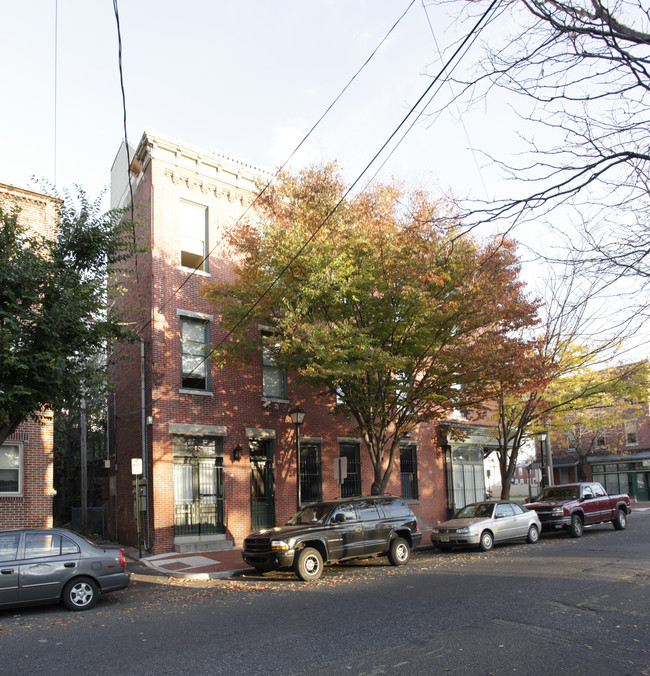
122	559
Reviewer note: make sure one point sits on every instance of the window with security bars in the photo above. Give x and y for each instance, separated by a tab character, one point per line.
409	471
193	226
195	341
351	485
310	472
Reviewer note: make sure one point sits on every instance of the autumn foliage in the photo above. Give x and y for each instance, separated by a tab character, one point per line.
377	301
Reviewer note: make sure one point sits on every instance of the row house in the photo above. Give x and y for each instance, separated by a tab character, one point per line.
26	460
617	456
214	453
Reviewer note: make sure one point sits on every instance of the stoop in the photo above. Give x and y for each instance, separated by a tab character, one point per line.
206	543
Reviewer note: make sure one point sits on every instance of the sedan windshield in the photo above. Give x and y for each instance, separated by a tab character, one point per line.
311	514
481	510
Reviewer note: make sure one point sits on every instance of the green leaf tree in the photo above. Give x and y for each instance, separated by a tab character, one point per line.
55	312
376	302
618	394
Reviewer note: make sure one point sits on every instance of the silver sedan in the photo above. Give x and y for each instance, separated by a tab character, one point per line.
484	523
49	565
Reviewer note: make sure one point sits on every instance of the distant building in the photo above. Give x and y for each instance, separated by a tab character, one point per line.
26	463
217	446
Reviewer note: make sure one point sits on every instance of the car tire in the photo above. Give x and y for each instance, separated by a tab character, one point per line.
576	527
308	565
533	535
487	541
399	552
620	522
80	594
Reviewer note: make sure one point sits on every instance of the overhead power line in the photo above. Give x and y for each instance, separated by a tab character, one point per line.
460	49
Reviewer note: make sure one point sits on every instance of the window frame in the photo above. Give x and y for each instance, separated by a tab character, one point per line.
20	469
413	473
203	265
205	321
271	373
630	428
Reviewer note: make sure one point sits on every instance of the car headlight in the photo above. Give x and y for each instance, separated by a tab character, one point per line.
557	511
464	531
435	530
279	545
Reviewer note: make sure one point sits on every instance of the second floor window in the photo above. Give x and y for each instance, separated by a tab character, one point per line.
274	380
630	433
193	226
195	341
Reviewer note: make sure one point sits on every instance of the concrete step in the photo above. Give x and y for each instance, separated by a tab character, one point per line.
203	546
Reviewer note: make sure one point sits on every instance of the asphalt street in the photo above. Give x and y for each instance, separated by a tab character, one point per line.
561	606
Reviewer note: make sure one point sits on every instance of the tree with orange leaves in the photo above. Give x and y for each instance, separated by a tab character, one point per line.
376	300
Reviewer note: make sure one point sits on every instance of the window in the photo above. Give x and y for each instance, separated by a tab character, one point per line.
11	465
274	381
193	226
630	433
409	471
9	546
40	545
368	510
503	510
351	485
195	340
310	472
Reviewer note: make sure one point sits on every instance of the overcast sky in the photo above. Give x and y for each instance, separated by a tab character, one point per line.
246	78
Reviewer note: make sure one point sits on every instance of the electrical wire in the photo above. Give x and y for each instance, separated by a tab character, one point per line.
293	153
473	31
218	243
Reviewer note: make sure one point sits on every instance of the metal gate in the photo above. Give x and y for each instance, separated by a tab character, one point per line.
262	484
198	496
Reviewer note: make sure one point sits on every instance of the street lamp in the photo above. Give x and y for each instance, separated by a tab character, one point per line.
297	418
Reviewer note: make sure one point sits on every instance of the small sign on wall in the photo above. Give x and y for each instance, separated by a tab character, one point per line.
136	466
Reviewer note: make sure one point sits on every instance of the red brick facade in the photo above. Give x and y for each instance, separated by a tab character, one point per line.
161	292
31	504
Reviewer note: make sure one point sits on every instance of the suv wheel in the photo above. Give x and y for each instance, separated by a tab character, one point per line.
309	564
399	552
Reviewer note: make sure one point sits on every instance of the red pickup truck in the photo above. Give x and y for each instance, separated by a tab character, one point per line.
574	506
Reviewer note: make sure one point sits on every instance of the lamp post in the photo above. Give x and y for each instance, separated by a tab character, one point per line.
541	436
297	418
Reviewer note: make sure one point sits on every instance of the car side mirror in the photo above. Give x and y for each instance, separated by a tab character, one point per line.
339	518
499	516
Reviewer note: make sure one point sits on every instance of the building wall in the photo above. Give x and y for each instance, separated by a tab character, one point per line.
33	507
158	290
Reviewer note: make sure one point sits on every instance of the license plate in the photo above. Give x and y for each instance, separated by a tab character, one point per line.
444	538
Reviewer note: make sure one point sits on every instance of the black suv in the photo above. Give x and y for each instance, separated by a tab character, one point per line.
335	531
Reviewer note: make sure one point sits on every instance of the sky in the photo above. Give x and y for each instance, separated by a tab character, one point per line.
246	78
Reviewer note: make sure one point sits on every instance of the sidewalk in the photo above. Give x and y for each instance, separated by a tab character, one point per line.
194	565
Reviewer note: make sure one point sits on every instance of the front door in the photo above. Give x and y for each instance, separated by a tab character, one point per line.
262	484
198	488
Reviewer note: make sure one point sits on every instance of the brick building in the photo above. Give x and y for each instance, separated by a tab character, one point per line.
26	463
617	455
218	446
